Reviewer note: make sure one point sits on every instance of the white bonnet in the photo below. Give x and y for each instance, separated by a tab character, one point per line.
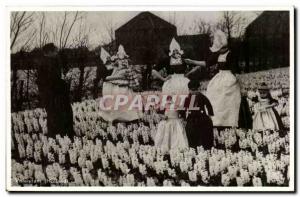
174	45
220	40
121	54
104	55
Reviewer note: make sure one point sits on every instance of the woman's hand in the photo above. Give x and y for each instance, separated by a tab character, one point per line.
159	76
194	62
192	71
167	78
110	78
271	105
187	61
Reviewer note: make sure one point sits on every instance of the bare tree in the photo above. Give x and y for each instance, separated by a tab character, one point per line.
81	43
81	36
43	35
110	27
202	27
232	23
20	23
53	34
61	33
178	22
66	29
28	42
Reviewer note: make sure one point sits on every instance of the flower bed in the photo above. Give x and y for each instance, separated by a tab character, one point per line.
124	155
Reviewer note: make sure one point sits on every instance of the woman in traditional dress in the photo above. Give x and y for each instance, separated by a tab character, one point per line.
265	115
171	132
223	90
120	82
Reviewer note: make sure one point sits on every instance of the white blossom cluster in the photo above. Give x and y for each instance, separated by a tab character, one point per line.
274	78
94	162
253	140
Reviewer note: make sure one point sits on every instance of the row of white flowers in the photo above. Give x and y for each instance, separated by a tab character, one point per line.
94	163
262	158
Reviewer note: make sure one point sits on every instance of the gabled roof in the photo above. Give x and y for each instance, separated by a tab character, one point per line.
146	20
270	22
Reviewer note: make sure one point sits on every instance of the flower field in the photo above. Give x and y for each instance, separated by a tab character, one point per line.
275	79
125	155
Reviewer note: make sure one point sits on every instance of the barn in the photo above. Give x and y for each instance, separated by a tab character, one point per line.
266	41
146	37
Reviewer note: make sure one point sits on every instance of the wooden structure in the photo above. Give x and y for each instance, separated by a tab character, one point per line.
267	41
146	37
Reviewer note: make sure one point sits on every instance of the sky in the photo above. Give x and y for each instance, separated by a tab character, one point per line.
95	23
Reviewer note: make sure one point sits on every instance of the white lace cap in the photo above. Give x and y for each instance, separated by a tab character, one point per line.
104	55
220	40
174	45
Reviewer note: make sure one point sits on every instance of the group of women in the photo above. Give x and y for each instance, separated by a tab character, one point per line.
221	107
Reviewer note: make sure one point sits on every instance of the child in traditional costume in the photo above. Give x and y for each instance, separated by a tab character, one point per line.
265	115
124	74
199	126
171	132
121	82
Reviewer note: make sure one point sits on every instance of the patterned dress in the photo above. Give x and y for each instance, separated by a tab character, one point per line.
122	86
171	133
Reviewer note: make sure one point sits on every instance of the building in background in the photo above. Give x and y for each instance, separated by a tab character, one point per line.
146	37
266	43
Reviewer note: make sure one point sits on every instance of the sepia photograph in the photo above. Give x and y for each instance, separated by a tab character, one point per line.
162	99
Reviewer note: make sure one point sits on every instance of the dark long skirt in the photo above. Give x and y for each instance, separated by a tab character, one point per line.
245	117
199	132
